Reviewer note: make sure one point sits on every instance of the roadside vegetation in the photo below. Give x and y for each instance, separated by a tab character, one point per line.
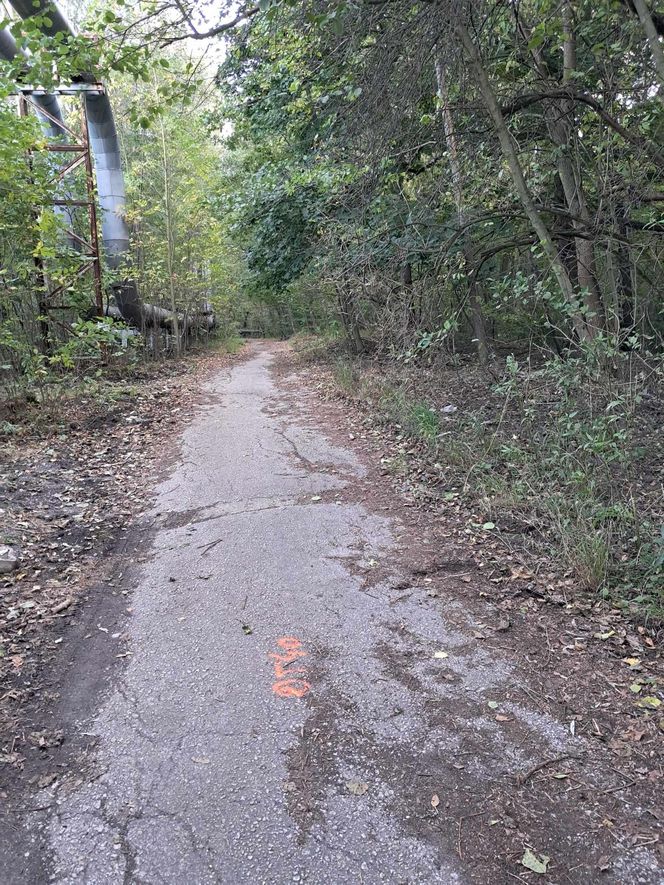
54	341
561	473
453	211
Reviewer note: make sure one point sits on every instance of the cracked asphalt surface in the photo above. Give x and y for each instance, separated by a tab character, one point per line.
194	743
205	770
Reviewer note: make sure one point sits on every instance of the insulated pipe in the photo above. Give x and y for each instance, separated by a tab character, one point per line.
110	180
46	102
59	24
103	141
111	194
9	50
8	47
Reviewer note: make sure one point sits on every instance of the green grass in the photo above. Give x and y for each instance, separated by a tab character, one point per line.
346	376
227	343
423	423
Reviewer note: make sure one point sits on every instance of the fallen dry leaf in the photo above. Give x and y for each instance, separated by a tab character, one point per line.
357	788
536	863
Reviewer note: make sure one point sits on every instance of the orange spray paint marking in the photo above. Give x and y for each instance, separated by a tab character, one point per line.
288	680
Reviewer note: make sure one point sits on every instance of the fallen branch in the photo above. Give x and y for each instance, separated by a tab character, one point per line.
61	606
521	779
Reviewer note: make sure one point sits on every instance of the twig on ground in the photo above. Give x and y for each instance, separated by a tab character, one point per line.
207	547
461	820
617	789
522	778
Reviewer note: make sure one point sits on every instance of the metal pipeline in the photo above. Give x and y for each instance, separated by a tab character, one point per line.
103	141
9	50
110	180
49	123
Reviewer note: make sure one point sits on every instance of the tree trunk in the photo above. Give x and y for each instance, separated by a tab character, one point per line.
170	244
626	290
349	320
559	116
653	38
477	315
511	156
407	285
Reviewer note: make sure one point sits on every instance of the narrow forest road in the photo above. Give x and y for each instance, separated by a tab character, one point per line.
291	708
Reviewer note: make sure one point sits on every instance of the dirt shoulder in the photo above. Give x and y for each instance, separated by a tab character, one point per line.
576	659
75	476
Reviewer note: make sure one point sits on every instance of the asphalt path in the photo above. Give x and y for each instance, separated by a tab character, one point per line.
278	698
247	738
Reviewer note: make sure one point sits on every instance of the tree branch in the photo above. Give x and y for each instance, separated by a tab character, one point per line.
244	14
524	101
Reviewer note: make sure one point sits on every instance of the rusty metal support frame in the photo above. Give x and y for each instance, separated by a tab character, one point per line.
80	147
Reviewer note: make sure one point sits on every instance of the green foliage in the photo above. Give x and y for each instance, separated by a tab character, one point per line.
346	375
346	174
431	344
231	343
177	205
425	422
340	164
95	341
